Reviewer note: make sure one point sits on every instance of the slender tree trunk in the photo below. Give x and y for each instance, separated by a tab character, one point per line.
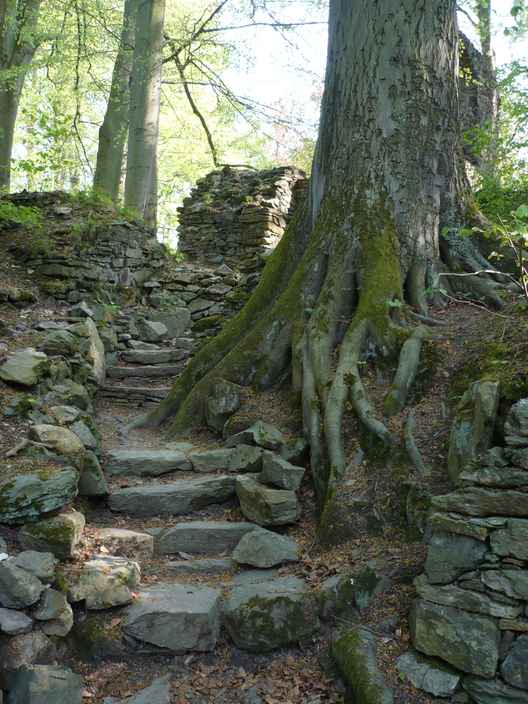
144	104
113	132
490	92
386	181
18	43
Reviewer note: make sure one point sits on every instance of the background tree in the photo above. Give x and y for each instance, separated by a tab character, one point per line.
114	130
18	43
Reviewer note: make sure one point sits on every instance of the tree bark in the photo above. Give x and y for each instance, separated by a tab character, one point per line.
386	181
18	43
113	132
144	104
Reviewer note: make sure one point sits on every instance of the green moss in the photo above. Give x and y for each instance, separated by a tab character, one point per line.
55	287
207	323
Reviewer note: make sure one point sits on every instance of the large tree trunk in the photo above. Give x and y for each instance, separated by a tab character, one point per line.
386	181
18	43
144	104
113	132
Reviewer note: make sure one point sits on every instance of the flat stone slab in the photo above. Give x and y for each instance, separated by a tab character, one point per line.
262	548
242	458
149	357
43	684
265	506
13	623
263	617
176	617
146	463
432	676
24	367
201	537
280	473
148	371
203	566
28	496
173	499
105	582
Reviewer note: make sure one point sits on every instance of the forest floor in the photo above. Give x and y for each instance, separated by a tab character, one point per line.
473	342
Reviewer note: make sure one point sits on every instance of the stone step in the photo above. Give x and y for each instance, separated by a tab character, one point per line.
176	617
134	393
201	537
150	371
146	463
149	357
203	566
174	499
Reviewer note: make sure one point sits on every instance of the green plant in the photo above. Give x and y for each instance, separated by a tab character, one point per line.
515	236
12	214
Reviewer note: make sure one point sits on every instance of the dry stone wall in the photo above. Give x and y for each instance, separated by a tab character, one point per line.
473	598
237	216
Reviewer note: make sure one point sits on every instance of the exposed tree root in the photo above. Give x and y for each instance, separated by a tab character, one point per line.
406	373
412	449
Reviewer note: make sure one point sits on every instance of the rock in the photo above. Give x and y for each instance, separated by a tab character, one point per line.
280	473
493	692
105	582
161	356
260	433
108	337
69	393
18	588
96	352
13	623
202	537
151	331
157	693
26	649
41	565
295	451
513	583
222	401
127	542
25	367
450	555
58	535
28	496
476	602
43	684
242	458
206	566
460	525
484	502
431	676
92	481
64	415
60	342
262	548
60	440
173	499
177	617
472	429
146	463
56	614
502	477
176	321
263	617
516	425
469	642
355	656
514	668
512	540
343	594
82	310
264	506
85	435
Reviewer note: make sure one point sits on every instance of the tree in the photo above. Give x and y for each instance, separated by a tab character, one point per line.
386	182
113	132
144	105
18	43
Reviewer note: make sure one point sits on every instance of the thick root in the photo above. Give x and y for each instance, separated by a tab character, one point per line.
412	449
406	373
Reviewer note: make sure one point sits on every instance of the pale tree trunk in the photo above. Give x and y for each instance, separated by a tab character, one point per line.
349	277
144	104
113	132
489	158
18	43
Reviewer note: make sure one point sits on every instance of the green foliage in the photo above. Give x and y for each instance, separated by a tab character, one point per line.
24	216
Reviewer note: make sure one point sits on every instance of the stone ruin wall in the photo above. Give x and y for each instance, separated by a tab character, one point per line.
237	216
232	219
